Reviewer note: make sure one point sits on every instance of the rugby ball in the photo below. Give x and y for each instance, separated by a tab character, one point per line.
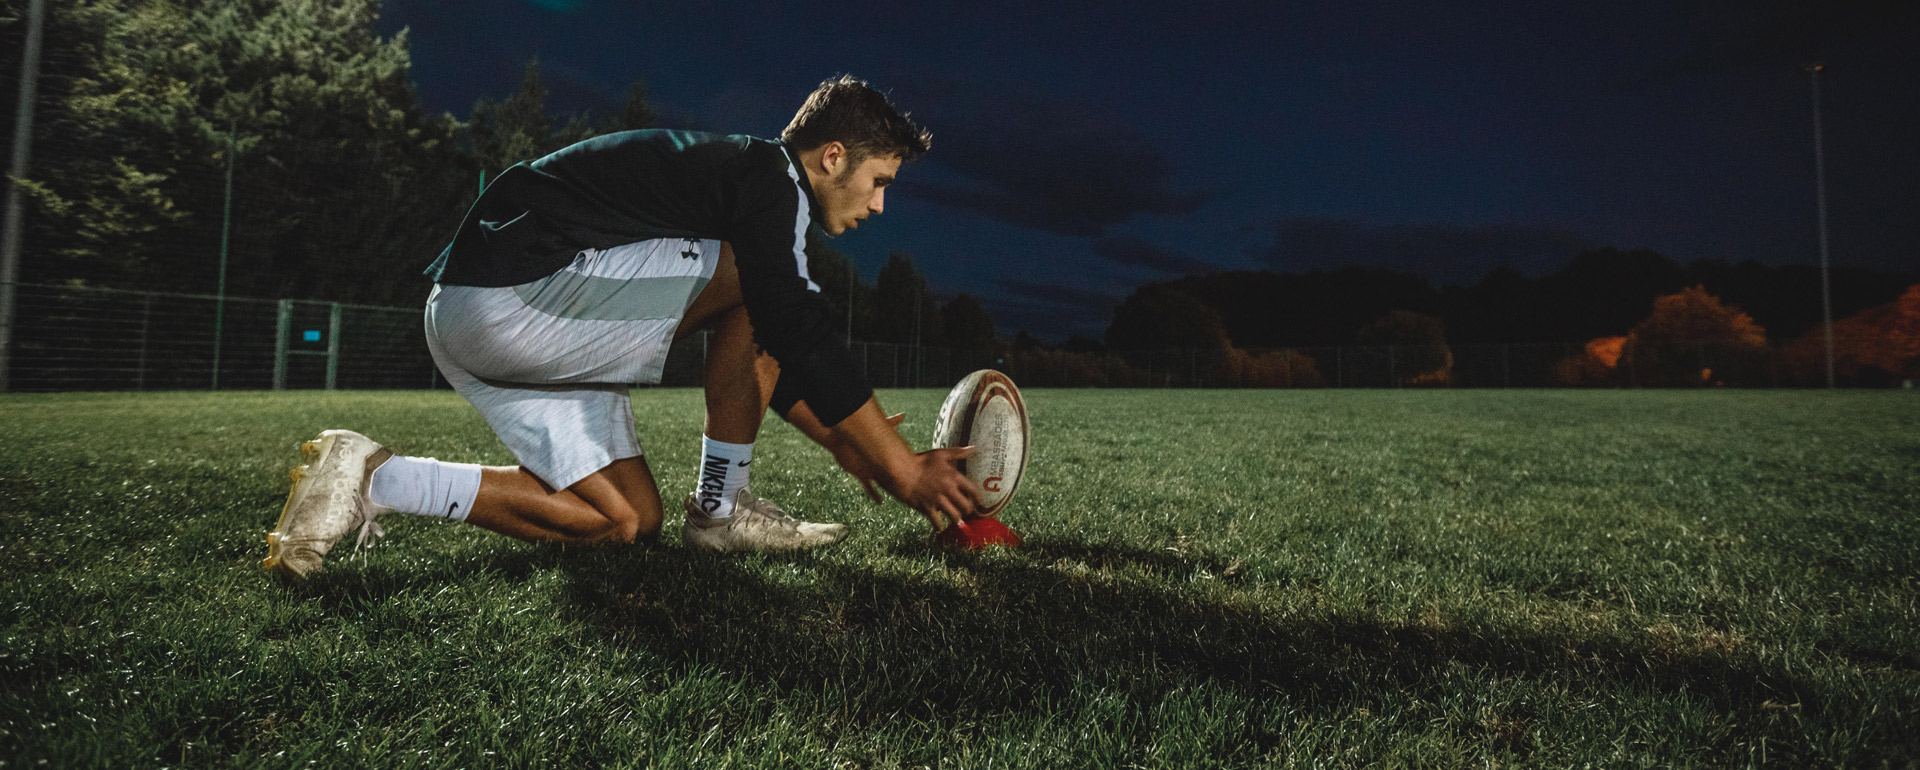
985	412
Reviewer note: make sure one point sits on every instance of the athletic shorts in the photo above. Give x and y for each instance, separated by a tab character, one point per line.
549	363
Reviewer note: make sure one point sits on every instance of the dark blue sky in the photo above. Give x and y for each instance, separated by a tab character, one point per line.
1081	149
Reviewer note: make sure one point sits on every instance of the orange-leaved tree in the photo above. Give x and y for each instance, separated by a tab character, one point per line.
1876	346
1597	364
1692	339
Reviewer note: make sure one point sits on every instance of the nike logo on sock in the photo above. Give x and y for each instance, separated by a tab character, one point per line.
745	463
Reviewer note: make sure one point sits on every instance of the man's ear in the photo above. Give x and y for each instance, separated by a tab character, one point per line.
833	155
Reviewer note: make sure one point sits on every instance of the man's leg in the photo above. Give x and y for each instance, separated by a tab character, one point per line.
619	503
739	384
739	378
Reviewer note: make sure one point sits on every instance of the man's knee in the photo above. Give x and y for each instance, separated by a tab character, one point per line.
629	523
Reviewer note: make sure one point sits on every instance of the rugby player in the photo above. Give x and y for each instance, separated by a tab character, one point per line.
565	285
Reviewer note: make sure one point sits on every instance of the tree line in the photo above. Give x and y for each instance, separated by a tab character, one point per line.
344	187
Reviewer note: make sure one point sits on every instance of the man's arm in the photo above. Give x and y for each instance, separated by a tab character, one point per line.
867	445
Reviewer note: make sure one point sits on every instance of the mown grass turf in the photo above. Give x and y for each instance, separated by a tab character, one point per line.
1212	579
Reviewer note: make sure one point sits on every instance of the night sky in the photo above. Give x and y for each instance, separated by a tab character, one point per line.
1081	149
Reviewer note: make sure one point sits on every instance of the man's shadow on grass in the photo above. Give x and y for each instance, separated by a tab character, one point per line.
940	634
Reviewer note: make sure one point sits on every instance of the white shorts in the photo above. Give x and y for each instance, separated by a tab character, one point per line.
549	363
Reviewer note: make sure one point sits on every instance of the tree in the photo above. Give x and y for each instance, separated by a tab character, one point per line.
967	324
638	112
1160	317
1597	364
1417	345
1692	339
904	311
513	130
1878	346
343	186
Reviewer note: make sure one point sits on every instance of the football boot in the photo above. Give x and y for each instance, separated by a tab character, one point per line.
757	524
328	500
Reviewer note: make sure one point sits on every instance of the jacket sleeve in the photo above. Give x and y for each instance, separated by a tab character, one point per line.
791	321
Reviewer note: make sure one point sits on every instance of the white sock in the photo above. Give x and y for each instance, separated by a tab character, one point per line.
723	472
426	487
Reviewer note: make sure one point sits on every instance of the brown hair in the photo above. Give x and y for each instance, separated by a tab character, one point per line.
847	110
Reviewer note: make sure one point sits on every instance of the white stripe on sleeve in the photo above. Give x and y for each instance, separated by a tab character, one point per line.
800	219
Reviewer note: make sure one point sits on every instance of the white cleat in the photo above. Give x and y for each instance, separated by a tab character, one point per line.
757	524
328	500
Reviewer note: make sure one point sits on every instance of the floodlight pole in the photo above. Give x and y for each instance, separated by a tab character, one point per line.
17	172
1820	192
226	226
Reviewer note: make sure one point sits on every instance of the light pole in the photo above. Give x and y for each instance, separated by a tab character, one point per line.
226	225
1820	192
16	172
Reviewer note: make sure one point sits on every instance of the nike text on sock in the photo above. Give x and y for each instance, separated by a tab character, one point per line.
426	487
723	473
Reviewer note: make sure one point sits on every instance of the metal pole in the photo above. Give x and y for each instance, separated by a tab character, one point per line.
16	171
333	348
1820	191
146	321
226	226
918	291
282	332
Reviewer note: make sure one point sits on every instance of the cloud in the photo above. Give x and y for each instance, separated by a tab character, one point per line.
1139	253
1040	164
1056	294
1440	251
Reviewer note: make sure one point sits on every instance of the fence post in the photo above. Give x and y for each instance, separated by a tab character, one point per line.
333	348
146	321
283	327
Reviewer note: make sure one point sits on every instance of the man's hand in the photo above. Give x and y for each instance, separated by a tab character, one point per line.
867	445
932	484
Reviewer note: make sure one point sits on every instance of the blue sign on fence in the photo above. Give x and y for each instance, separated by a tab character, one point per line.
311	335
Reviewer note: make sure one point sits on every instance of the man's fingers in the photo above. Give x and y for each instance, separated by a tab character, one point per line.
873	492
952	455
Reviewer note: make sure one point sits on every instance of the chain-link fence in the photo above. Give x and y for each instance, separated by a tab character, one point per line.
73	338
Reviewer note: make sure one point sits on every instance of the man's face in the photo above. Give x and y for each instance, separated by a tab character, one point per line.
858	191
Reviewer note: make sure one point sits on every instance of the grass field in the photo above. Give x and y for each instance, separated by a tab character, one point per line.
1212	579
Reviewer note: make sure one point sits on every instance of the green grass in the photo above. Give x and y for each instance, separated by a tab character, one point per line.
1212	579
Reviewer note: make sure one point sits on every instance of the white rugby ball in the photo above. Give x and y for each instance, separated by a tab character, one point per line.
985	411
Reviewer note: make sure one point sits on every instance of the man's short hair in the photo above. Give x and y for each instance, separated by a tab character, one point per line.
847	110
